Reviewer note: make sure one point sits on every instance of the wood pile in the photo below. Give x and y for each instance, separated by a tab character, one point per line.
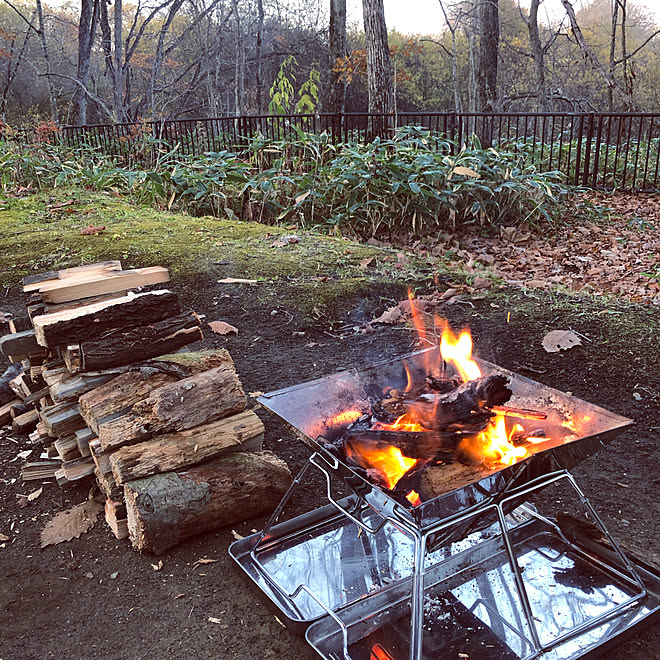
97	382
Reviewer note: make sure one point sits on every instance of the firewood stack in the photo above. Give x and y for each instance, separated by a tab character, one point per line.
100	386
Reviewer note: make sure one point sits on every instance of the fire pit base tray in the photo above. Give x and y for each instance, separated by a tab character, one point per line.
471	603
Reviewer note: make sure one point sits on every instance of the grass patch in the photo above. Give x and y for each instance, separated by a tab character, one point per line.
34	237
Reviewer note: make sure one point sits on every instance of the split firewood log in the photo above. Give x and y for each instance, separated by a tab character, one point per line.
190	402
175	451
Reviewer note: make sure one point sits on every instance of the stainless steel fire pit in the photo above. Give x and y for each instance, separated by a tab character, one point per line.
481	570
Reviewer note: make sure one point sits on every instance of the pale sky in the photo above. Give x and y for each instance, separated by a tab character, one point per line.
425	17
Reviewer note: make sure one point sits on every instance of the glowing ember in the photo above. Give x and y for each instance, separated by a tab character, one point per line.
379	653
346	417
413	498
389	462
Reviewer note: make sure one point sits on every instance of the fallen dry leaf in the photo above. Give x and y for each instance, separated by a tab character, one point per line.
158	566
222	328
236	280
92	229
61	205
70	524
204	560
212	619
481	283
33	496
557	340
3	538
365	262
236	535
391	315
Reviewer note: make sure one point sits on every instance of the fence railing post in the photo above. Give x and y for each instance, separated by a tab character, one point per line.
587	148
578	150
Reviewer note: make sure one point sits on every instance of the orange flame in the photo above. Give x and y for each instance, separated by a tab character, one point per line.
413	498
458	351
389	462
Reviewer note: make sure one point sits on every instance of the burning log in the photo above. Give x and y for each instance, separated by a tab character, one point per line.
468	403
414	444
166	508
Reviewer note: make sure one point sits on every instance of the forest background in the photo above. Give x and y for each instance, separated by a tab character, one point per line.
103	62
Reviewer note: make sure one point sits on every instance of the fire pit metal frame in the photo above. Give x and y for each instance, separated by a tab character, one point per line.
310	407
421	539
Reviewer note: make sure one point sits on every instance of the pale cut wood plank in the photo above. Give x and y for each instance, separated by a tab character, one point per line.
35	282
64	290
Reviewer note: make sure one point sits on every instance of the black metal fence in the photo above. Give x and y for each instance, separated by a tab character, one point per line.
599	150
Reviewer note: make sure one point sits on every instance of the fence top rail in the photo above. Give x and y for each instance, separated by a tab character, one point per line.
412	113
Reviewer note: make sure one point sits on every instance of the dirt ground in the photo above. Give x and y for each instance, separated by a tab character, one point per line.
95	597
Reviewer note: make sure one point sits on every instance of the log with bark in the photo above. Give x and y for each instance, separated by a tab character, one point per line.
140	343
92	320
165	509
190	402
124	390
174	451
19	344
469	403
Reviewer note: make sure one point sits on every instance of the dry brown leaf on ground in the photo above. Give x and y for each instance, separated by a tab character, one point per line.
391	315
557	340
222	328
3	538
70	524
92	229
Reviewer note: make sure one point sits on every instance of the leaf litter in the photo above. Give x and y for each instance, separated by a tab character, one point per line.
70	524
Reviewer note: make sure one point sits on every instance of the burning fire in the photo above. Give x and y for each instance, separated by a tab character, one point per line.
389	462
494	445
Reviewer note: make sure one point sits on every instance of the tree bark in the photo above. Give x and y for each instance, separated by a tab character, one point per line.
177	406
338	50
489	39
165	509
49	69
258	55
537	55
175	451
86	31
123	347
89	321
380	74
125	390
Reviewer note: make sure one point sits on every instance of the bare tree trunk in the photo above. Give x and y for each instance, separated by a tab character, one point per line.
118	90
380	75
86	30
537	55
489	39
260	36
627	78
590	55
472	32
454	73
615	20
44	49
338	50
12	70
237	60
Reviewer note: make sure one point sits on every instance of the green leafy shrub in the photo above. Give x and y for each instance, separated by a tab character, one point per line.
414	183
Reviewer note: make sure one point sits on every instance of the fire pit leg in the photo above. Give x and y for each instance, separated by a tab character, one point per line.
417	603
